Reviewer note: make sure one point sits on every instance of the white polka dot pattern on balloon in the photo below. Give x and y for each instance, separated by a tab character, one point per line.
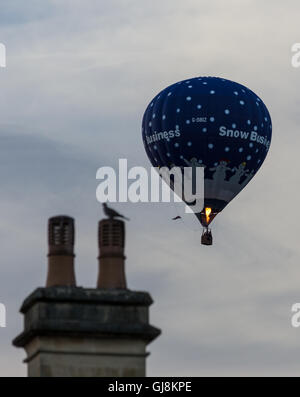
200	123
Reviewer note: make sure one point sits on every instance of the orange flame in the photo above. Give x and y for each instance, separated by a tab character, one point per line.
207	213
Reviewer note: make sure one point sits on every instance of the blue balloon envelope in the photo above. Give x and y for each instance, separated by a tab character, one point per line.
210	122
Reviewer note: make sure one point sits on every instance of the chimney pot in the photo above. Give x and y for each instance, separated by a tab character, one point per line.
111	242
61	233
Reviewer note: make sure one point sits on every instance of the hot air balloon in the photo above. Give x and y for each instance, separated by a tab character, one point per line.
214	123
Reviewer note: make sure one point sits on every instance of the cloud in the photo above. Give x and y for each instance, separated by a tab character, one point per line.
79	76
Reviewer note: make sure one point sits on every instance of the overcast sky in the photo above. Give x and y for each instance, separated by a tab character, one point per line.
79	76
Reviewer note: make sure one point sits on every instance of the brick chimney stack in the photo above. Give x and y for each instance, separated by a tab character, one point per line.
61	233
86	332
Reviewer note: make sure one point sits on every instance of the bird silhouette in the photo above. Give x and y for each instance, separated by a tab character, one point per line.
112	213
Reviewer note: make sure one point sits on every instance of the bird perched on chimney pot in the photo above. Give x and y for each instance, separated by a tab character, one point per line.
112	213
